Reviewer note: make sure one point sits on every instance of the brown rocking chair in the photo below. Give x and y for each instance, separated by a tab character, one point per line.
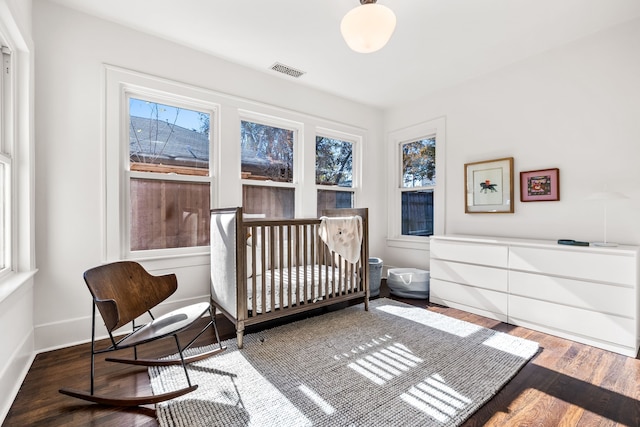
122	292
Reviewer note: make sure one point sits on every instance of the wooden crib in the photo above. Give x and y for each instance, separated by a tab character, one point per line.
263	269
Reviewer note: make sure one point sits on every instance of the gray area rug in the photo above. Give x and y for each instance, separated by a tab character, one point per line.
394	365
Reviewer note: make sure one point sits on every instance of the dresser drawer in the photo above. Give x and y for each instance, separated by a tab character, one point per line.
446	293
467	274
472	253
571	321
592	296
578	264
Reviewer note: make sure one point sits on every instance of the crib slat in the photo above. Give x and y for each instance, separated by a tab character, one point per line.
296	251
314	254
254	271
271	249
263	255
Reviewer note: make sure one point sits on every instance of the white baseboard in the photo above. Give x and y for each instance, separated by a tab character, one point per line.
14	373
57	335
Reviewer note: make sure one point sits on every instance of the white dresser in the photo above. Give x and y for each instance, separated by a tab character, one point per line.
585	294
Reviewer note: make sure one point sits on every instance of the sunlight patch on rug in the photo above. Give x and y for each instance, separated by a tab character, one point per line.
392	365
436	399
382	366
433	320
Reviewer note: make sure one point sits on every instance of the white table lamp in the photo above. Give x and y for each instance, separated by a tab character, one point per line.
605	197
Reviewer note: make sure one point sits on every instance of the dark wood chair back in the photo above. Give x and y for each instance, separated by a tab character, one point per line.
124	290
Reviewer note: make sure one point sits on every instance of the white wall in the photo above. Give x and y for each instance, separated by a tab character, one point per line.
71	50
576	108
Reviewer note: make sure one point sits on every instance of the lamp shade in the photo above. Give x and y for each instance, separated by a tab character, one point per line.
368	27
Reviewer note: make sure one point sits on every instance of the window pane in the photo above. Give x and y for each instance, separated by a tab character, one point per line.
274	202
168	214
328	199
417	213
168	139
267	152
419	163
334	162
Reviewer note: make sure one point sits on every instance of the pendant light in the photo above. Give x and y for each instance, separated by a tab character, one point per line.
368	27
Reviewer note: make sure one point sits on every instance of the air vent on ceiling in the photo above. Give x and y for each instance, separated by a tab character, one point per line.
285	69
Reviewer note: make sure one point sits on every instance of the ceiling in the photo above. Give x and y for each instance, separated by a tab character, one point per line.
436	44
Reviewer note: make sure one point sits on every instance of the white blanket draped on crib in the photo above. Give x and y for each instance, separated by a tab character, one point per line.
342	235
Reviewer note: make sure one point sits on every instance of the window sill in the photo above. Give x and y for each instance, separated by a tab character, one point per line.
14	281
171	261
421	244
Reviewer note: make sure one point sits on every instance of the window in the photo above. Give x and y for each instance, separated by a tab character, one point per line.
418	182
169	184
334	173
418	201
267	169
6	146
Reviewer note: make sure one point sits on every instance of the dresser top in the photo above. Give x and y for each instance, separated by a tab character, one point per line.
548	244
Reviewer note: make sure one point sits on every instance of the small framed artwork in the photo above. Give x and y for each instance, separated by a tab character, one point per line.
540	186
489	186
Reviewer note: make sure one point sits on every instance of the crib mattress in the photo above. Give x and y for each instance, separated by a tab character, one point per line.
321	281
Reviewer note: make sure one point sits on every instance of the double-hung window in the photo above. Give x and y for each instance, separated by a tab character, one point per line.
417	182
334	173
169	174
268	167
160	174
6	148
417	205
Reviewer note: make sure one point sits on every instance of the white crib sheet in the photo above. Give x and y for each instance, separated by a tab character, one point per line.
317	285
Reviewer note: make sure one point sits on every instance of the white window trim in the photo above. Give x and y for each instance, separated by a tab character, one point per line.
434	127
119	86
7	148
225	125
19	148
7	153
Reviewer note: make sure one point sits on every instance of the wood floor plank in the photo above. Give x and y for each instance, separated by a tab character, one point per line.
565	384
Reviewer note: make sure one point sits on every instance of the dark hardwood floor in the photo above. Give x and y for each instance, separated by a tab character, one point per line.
566	384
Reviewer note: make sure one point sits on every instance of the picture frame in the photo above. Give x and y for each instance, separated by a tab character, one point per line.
540	185
489	186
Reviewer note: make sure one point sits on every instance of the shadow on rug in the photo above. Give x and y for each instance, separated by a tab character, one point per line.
392	365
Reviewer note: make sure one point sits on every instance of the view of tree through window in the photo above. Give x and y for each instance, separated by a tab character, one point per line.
175	139
267	152
267	155
167	142
418	182
334	162
334	167
419	163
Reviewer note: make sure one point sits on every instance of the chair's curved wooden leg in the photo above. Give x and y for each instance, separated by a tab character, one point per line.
167	362
127	401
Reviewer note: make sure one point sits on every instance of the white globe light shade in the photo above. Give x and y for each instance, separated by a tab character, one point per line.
368	27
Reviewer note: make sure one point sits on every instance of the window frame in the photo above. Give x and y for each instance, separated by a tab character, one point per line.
120	86
298	154
7	150
145	95
432	128
356	143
